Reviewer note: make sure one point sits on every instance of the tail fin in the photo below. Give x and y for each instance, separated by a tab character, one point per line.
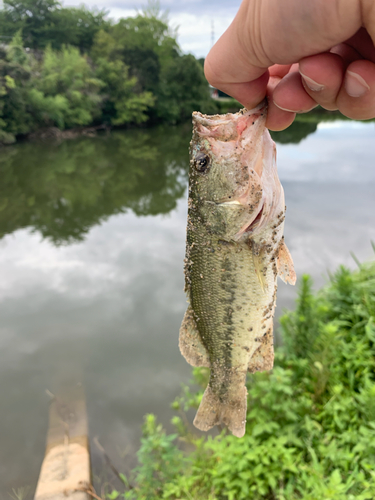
231	412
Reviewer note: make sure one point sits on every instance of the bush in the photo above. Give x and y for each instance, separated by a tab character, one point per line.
183	89
15	75
67	92
131	72
310	422
46	22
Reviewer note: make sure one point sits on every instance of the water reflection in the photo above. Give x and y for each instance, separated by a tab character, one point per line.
296	132
62	190
105	309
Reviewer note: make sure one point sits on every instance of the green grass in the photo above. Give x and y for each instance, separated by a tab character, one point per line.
311	420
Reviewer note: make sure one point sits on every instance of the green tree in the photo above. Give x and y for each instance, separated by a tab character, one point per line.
148	46
46	22
78	27
182	90
15	76
33	17
147	31
145	44
122	103
66	93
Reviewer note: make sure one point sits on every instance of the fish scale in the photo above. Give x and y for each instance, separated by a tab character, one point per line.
235	250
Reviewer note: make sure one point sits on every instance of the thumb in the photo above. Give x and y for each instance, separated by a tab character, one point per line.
232	67
266	32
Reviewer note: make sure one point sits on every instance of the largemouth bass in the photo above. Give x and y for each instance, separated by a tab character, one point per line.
234	252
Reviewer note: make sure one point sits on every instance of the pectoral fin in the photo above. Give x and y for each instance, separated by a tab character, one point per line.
259	260
285	267
191	345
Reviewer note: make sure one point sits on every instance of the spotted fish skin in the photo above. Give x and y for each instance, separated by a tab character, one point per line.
234	252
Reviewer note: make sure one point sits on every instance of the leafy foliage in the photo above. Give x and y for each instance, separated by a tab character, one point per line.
84	70
160	461
60	90
15	76
117	74
121	104
147	46
66	94
46	22
182	90
310	422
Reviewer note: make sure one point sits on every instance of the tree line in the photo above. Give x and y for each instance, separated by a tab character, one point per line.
73	67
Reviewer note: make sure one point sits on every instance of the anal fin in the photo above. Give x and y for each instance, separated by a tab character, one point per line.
191	345
262	359
285	267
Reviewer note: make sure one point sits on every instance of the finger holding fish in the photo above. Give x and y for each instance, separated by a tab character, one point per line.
277	119
356	98
334	80
322	78
290	95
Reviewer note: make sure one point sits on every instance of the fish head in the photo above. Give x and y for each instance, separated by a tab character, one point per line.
233	176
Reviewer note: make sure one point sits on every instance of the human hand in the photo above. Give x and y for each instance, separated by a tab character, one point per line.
300	54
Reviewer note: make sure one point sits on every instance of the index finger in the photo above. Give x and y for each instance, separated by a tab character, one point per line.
228	68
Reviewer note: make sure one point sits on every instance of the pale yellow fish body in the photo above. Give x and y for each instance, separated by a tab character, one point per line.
235	250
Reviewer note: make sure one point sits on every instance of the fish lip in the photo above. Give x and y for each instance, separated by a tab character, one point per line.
207	120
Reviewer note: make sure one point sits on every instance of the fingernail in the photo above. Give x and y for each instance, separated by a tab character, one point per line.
284	109
311	84
355	85
294	110
308	110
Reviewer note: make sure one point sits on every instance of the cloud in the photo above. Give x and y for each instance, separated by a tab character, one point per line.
210	7
195	31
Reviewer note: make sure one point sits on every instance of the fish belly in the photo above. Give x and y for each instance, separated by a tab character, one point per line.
233	315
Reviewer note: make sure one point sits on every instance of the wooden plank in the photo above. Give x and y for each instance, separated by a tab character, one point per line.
65	472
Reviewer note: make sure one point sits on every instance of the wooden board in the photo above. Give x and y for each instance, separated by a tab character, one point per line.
65	472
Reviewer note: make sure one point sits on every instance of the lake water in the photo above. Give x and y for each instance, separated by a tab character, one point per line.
91	255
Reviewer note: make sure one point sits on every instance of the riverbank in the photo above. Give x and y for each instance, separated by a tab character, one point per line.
310	421
303	125
56	134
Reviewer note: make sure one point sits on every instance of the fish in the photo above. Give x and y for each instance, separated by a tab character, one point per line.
235	250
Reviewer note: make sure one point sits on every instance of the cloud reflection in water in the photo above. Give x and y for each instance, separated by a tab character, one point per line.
105	309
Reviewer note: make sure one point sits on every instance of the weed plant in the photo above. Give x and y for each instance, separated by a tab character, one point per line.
311	420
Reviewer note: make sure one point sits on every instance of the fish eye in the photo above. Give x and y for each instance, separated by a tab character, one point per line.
202	162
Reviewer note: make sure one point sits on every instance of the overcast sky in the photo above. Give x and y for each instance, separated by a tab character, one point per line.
192	17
